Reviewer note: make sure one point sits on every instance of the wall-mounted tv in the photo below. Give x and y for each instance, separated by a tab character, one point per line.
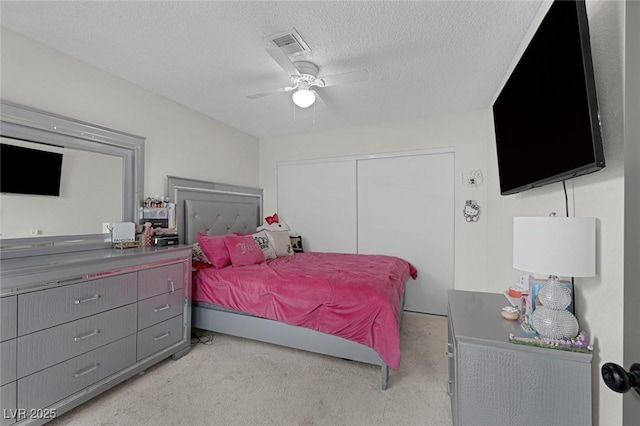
546	117
29	171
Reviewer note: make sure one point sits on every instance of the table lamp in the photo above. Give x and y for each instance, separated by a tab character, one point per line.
555	246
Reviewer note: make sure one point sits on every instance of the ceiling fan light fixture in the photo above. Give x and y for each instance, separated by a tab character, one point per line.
303	98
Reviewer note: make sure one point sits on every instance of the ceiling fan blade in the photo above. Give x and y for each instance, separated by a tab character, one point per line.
348	77
283	60
271	92
319	103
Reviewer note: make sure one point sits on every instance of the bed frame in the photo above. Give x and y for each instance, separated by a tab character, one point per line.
218	209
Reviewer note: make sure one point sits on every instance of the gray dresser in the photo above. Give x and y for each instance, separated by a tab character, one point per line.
73	325
495	382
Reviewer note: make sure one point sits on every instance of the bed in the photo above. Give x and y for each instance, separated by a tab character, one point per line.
220	209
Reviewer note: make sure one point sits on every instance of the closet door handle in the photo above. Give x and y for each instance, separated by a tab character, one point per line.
162	336
448	351
87	299
86	370
449	383
86	335
162	308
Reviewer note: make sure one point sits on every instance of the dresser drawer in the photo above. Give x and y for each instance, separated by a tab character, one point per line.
45	348
8	398
159	308
159	336
47	308
48	386
7	361
9	320
162	279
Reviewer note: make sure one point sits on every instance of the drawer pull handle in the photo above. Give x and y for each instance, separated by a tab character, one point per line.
65	281
170	280
162	308
162	336
87	299
86	335
86	370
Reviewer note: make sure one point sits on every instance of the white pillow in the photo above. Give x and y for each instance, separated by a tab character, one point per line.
280	242
265	244
197	255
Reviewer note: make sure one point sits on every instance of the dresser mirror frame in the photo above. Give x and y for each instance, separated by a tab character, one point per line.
34	125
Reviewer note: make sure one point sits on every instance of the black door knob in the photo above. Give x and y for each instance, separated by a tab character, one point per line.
619	380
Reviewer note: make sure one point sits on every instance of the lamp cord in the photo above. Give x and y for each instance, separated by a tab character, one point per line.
566	198
566	206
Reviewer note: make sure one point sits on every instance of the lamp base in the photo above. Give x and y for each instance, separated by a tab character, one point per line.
555	323
552	319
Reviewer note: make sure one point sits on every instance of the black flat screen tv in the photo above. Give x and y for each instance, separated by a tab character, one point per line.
29	171
546	119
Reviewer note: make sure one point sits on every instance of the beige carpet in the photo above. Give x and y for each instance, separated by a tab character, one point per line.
236	381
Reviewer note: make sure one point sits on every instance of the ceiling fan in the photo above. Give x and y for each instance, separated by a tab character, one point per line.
304	78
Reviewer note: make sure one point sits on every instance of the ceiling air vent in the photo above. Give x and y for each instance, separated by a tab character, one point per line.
290	42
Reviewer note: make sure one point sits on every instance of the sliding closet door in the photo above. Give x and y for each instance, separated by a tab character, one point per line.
318	200
406	209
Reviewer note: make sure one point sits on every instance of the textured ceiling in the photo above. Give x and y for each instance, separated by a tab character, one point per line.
423	57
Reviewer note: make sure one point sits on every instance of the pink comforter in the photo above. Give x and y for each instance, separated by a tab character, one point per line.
353	296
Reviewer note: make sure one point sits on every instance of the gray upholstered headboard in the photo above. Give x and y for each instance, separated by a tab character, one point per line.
214	208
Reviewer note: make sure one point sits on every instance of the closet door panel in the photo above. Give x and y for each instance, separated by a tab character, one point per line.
406	209
318	200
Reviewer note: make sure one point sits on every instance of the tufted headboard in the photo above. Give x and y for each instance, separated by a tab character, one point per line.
213	208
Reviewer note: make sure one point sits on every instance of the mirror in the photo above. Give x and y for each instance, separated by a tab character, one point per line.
101	181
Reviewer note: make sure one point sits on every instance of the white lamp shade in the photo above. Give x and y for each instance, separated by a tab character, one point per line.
562	246
303	98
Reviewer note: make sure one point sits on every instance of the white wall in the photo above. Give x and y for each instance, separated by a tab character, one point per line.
179	141
599	300
466	133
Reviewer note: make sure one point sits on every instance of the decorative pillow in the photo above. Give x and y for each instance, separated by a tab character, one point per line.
296	244
280	242
214	248
197	255
263	241
244	250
